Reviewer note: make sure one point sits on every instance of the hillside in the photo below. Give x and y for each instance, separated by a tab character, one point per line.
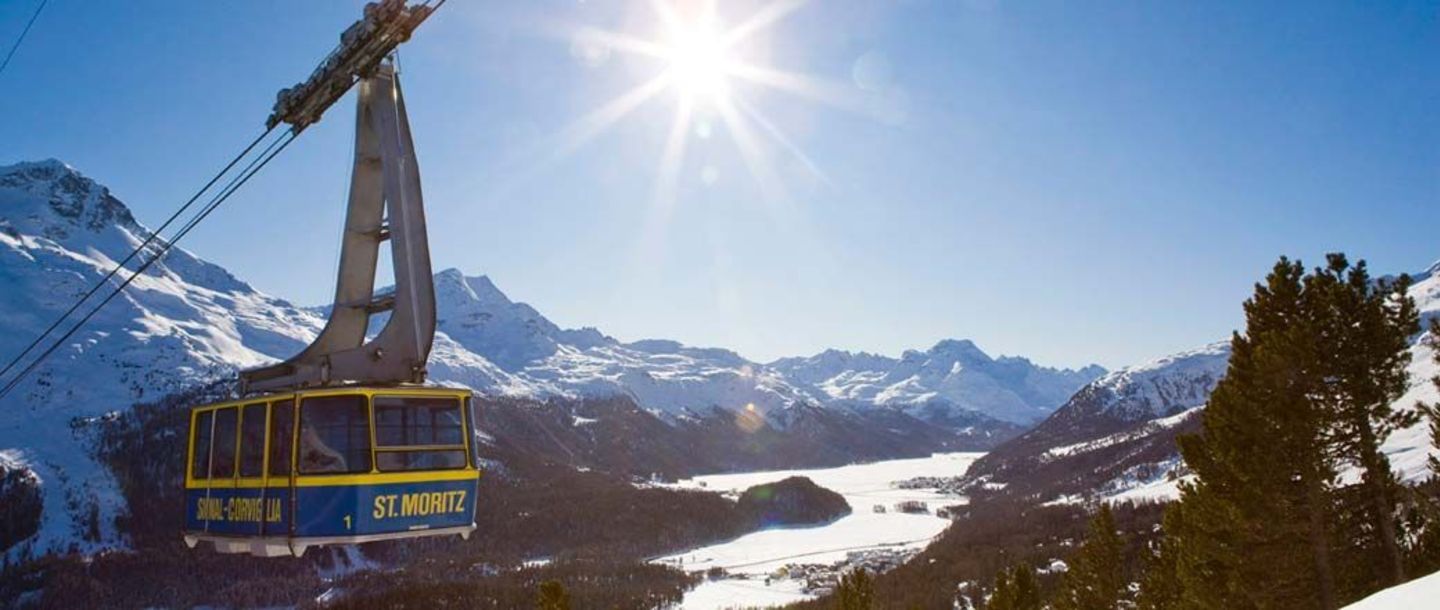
792	501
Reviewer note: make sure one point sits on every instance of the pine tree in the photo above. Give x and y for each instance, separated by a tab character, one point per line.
1161	588
1254	529
1002	595
1096	578
553	596
855	592
1365	328
1016	589
1027	588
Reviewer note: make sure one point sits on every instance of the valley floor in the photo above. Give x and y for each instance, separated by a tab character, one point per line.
772	567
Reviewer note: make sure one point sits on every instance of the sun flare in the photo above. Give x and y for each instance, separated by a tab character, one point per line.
701	58
699	62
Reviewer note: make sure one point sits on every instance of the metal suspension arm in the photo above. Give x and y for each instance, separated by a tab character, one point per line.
386	178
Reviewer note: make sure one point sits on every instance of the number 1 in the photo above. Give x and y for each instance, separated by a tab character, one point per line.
347	522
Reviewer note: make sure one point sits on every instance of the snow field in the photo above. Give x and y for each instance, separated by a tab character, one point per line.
755	555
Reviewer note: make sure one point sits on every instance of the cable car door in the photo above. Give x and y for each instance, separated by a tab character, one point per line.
279	496
245	508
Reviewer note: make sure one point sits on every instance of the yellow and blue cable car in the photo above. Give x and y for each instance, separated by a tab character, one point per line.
278	473
346	447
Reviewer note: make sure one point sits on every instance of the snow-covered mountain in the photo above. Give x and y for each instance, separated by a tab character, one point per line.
531	356
184	321
954	374
187	321
1121	399
1115	437
1118	430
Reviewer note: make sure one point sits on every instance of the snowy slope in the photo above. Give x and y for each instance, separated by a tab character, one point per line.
1423	592
184	321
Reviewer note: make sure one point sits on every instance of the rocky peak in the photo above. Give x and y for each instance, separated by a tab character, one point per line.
52	199
959	350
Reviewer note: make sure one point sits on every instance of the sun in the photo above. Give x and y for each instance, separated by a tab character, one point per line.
699	61
700	57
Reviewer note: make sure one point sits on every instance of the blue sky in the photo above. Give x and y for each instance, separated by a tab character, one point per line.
1072	182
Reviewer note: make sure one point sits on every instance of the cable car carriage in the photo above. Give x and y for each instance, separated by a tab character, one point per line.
342	443
275	474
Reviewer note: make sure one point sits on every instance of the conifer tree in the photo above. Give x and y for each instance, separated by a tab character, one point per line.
553	596
1160	589
1365	327
1027	587
1254	527
1016	589
1096	578
1002	595
855	592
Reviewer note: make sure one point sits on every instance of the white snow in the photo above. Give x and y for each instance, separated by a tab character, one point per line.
1145	429
743	594
1176	382
1409	449
1423	592
863	485
1163	489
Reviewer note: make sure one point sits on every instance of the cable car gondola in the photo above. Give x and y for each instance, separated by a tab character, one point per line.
277	473
343	443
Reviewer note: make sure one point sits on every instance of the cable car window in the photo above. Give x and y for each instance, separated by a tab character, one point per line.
200	453
222	456
282	433
252	440
419	433
334	435
406	420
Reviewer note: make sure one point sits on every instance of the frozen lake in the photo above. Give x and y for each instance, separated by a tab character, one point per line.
753	556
